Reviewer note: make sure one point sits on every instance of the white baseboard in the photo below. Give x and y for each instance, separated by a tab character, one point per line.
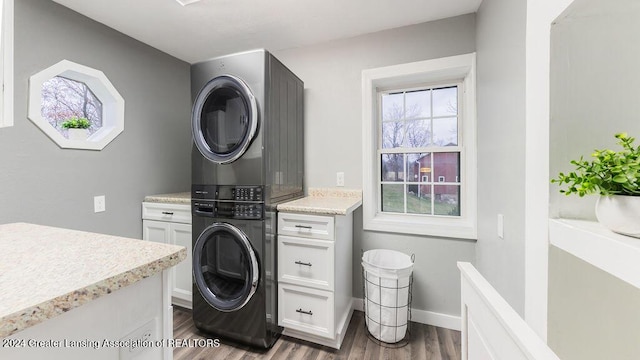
424	317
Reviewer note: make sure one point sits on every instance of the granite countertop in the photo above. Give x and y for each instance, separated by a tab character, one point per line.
325	202
175	198
46	271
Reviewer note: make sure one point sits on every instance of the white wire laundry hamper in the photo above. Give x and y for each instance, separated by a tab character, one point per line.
387	278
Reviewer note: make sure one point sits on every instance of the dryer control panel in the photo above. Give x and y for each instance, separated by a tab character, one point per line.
228	192
228	202
228	209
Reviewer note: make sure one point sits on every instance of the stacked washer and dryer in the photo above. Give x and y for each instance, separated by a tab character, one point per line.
247	124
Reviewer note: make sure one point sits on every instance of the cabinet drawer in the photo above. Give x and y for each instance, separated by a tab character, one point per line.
306	309
310	226
306	262
166	212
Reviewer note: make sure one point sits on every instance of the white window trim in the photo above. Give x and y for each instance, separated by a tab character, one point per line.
112	104
404	75
6	77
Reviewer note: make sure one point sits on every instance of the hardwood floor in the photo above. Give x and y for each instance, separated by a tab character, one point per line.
427	343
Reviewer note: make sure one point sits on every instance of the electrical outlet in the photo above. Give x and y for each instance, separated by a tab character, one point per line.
139	340
340	179
99	203
501	226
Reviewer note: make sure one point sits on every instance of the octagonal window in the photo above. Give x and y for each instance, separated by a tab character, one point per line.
69	104
76	106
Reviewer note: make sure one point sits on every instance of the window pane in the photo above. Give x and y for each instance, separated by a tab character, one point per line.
447	200
445	132
418	133
446	166
64	99
419	199
418	104
392	167
418	167
393	198
445	101
392	107
392	134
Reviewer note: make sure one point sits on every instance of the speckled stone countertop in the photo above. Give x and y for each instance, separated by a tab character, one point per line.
46	271
325	202
175	198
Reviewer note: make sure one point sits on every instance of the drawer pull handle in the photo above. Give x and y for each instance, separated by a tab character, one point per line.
302	263
304	227
305	312
167	213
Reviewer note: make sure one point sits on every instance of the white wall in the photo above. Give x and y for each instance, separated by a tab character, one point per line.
540	15
594	94
333	122
500	44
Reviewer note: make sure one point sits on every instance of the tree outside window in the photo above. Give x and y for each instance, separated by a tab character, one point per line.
63	99
418	137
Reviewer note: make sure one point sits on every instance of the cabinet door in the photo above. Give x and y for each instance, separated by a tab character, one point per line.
157	231
182	282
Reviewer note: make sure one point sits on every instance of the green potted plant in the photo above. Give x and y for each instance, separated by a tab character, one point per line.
615	176
77	127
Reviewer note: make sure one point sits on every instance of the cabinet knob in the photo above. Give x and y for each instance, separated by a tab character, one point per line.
167	213
304	227
303	263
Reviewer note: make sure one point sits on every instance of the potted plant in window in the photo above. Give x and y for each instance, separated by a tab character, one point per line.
615	175
77	127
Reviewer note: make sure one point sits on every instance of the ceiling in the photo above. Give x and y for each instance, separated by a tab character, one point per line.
208	28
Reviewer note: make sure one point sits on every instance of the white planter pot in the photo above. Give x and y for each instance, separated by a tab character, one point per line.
620	213
78	134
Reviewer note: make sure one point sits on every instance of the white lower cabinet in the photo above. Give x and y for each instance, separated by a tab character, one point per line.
306	310
169	224
314	276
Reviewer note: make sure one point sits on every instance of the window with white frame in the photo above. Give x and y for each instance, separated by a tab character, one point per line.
76	106
419	124
418	134
6	66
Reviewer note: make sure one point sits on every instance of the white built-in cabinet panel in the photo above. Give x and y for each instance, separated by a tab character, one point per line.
171	224
306	262
306	310
305	225
491	329
314	294
180	234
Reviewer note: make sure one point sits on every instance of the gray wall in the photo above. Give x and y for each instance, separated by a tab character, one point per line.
44	184
500	45
594	94
332	73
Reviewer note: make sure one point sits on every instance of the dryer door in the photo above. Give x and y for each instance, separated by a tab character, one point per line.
225	267
224	119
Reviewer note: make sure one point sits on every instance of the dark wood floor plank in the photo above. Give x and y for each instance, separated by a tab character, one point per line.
432	346
360	340
445	341
426	343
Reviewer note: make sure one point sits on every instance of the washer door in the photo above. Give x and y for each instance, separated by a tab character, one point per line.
224	119
225	267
